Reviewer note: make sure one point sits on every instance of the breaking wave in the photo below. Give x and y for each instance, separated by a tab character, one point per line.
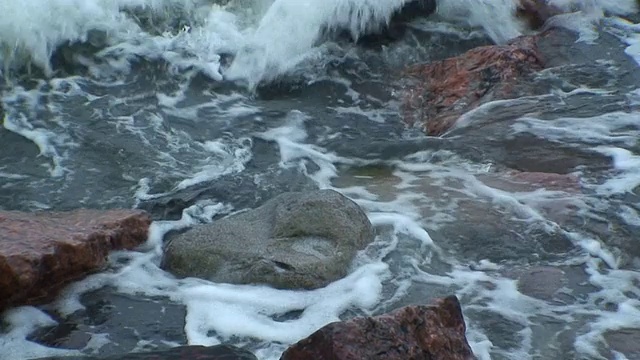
265	38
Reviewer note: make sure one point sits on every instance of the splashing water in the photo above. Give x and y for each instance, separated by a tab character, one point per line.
267	38
141	113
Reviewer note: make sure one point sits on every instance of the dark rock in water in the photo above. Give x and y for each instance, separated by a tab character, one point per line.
398	23
42	252
414	9
536	12
434	332
396	26
296	240
219	352
131	323
447	89
540	282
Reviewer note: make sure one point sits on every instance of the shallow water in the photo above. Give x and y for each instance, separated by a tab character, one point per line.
527	210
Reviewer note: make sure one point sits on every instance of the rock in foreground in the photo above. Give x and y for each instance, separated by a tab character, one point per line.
218	352
434	332
42	252
293	241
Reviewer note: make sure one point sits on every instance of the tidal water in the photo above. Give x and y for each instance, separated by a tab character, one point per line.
527	210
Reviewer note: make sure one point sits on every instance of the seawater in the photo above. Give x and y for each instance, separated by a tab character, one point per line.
128	103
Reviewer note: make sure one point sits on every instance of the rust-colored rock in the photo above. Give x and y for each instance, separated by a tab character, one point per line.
444	90
434	332
41	252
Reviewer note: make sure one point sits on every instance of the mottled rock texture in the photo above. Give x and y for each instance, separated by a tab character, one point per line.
435	332
442	91
42	252
295	240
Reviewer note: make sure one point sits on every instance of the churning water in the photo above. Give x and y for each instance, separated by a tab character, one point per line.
528	210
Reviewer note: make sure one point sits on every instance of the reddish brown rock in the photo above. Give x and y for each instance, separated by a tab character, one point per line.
434	332
442	91
42	252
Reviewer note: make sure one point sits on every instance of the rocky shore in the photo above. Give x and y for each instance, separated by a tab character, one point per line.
41	253
307	240
420	332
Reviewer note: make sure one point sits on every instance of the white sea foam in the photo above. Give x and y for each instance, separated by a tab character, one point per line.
627	165
268	38
21	322
228	310
34	28
629	33
426	192
479	13
217	312
609	134
224	159
615	127
297	25
53	143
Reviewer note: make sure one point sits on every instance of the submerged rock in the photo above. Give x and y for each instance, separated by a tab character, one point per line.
397	25
126	320
434	332
541	282
218	352
295	240
42	252
445	90
536	12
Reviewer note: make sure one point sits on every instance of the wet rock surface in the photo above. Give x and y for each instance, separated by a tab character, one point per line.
295	240
541	282
219	352
446	89
435	332
42	252
438	94
130	322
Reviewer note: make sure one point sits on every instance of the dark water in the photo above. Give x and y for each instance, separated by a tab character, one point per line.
116	140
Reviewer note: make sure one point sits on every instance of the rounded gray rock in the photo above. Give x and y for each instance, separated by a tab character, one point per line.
293	241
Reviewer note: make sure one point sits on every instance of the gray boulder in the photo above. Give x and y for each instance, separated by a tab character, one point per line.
295	240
